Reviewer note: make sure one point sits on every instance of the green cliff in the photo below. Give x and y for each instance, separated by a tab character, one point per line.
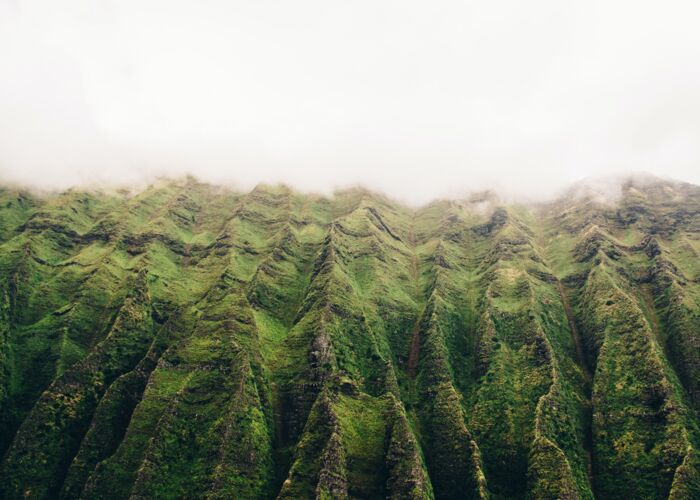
191	341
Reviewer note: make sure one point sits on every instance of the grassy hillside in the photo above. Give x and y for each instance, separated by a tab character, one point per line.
194	342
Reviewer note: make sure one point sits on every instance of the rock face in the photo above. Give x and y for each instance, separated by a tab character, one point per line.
193	342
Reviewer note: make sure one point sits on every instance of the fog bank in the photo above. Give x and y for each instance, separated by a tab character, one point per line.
416	100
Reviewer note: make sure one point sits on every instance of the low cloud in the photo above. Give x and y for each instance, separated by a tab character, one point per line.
417	101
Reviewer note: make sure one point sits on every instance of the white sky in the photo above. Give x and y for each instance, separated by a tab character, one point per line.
419	99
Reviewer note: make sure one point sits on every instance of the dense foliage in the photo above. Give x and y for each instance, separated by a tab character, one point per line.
194	342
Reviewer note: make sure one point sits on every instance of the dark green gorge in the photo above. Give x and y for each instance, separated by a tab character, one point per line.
190	341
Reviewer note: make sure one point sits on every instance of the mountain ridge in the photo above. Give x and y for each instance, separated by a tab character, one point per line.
190	341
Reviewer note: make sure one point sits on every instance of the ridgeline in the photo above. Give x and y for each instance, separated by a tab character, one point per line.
194	342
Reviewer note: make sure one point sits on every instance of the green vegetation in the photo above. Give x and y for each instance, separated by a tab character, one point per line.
193	342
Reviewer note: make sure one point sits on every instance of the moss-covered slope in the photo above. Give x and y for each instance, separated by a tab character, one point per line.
195	342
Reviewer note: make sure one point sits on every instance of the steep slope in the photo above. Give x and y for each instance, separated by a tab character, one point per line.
189	341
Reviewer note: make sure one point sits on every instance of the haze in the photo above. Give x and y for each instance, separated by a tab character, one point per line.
418	99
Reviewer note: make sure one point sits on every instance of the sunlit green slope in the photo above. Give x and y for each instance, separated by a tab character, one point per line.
194	342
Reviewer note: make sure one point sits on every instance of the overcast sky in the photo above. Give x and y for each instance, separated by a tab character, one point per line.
419	99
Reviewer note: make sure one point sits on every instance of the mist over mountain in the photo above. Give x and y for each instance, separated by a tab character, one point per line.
417	101
349	250
187	340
